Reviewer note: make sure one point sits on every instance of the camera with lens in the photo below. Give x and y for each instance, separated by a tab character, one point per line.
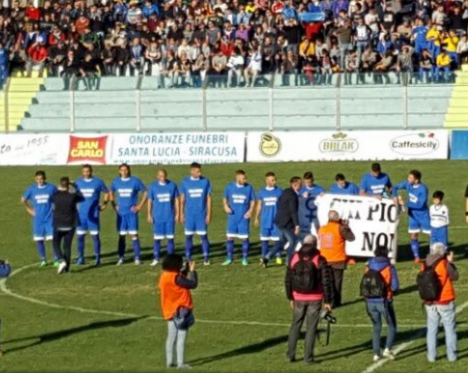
328	317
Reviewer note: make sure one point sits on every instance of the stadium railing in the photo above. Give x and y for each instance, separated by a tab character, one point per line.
292	101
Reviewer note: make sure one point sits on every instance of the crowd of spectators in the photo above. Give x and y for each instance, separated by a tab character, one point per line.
235	42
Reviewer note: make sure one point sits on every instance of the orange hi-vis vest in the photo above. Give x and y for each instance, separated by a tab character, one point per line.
386	274
332	244
173	296
447	294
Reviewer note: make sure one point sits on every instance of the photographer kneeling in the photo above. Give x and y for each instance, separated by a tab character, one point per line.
309	285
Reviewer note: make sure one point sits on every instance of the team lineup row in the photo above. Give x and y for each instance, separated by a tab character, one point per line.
190	203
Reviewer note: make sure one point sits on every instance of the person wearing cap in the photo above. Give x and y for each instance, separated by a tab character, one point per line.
332	238
65	214
378	308
308	306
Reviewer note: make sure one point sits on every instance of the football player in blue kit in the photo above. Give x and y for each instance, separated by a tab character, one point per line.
163	213
308	218
418	212
37	200
91	188
239	203
123	194
344	187
195	210
376	183
267	207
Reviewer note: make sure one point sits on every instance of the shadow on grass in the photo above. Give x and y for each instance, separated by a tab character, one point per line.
54	336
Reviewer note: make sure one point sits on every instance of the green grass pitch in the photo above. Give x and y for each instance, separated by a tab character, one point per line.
243	313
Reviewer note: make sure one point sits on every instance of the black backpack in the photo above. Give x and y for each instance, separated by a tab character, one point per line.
373	285
305	276
428	282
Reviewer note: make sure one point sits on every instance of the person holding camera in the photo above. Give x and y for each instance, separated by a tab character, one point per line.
333	237
378	285
308	285
177	305
5	270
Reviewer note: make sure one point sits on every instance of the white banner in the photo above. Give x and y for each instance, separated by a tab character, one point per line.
293	146
113	149
373	221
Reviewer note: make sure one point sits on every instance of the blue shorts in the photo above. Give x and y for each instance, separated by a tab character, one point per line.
439	235
88	224
269	233
238	228
127	223
195	224
43	229
419	220
163	230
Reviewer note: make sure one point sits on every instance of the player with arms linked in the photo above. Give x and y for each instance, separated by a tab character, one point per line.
195	210
90	188
267	207
40	196
239	203
163	212
123	194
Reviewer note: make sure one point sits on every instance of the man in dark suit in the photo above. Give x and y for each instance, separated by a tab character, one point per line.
287	220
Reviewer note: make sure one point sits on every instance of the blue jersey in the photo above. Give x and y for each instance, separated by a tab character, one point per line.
239	198
419	34
417	195
350	189
127	192
164	197
196	192
375	186
307	206
269	197
41	199
91	190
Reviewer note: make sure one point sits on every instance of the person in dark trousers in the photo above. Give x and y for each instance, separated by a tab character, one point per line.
382	307
333	237
307	306
287	220
65	221
5	270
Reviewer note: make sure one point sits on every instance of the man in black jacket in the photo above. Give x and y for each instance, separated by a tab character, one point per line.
307	305
287	220
65	222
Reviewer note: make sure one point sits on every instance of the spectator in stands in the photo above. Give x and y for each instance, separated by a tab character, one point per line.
37	55
90	72
426	66
70	70
462	49
235	67
118	33
136	57
57	55
442	65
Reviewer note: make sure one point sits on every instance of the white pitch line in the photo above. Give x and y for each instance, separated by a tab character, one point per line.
7	291
405	345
